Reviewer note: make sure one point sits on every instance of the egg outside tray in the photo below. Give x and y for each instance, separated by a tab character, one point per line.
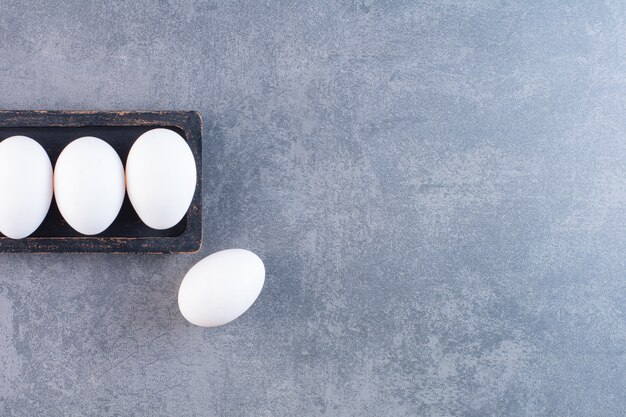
128	234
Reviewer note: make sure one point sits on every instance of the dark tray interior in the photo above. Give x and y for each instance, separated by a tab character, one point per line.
54	139
54	130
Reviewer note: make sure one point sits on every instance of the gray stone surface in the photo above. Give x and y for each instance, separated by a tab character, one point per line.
437	190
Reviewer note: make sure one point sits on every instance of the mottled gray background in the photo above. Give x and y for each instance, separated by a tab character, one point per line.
437	188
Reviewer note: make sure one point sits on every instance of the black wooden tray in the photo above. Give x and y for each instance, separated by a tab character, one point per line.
55	129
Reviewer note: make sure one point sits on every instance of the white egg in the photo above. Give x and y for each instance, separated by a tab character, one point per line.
160	178
221	287
89	185
25	186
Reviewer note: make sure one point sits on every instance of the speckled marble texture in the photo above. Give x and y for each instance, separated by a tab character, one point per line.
437	188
